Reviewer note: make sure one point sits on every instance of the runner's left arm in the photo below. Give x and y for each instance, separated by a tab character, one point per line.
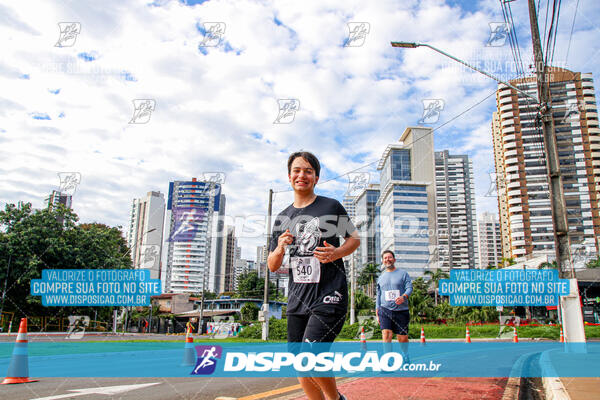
408	289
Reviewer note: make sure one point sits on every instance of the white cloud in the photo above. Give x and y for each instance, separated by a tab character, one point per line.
207	106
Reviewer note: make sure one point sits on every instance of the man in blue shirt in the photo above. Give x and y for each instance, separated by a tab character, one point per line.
394	287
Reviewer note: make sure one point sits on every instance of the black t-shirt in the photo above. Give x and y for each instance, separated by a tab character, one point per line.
314	287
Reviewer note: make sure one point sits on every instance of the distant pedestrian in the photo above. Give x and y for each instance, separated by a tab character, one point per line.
394	287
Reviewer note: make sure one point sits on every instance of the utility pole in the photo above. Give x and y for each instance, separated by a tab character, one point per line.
352	288
206	264
265	307
4	290
202	303
572	318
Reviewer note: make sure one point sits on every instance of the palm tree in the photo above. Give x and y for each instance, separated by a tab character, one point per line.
363	302
368	278
435	278
420	307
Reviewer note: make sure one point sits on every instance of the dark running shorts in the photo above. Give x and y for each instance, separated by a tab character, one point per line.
314	327
396	321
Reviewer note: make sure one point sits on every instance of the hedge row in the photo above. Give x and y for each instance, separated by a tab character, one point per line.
278	331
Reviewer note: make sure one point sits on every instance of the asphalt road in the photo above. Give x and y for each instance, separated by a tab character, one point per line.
165	389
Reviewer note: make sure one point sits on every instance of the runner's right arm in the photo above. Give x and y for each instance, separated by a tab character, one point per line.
276	256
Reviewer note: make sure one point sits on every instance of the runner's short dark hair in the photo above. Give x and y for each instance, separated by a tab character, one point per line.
308	156
388	251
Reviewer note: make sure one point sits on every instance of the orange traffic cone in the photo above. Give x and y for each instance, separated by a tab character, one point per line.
189	355
422	335
515	337
363	339
468	336
562	336
18	370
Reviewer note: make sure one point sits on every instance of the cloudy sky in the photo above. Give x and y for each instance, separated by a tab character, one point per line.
215	99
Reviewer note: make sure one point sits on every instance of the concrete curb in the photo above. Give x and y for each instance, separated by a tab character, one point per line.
512	389
553	386
513	386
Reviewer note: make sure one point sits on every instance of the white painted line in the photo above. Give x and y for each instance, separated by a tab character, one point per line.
108	390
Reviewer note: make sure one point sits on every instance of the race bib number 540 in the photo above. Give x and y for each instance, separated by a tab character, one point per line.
305	269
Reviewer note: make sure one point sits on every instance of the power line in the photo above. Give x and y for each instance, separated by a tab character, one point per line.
512	37
516	38
407	145
516	52
571	35
555	30
549	37
546	23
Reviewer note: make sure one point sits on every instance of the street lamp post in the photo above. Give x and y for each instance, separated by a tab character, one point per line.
265	306
411	45
139	243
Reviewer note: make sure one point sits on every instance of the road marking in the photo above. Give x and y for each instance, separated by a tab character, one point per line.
108	390
271	393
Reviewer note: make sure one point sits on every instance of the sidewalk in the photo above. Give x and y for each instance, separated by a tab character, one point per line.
581	388
564	388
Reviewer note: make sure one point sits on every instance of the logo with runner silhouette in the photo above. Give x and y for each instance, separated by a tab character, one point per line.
207	359
431	111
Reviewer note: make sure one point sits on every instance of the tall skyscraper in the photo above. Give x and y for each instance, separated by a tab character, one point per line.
240	267
218	251
498	181
407	200
456	217
229	271
192	207
57	198
348	203
521	161
261	254
366	221
490	244
145	233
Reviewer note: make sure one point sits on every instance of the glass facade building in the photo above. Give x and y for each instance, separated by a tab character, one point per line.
406	203
367	216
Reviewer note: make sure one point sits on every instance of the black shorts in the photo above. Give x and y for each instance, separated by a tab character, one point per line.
314	328
396	321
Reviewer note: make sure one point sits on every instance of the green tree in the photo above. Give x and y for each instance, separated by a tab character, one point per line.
207	295
506	261
419	284
34	240
435	279
420	306
249	312
593	263
250	286
362	301
548	265
367	278
442	311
